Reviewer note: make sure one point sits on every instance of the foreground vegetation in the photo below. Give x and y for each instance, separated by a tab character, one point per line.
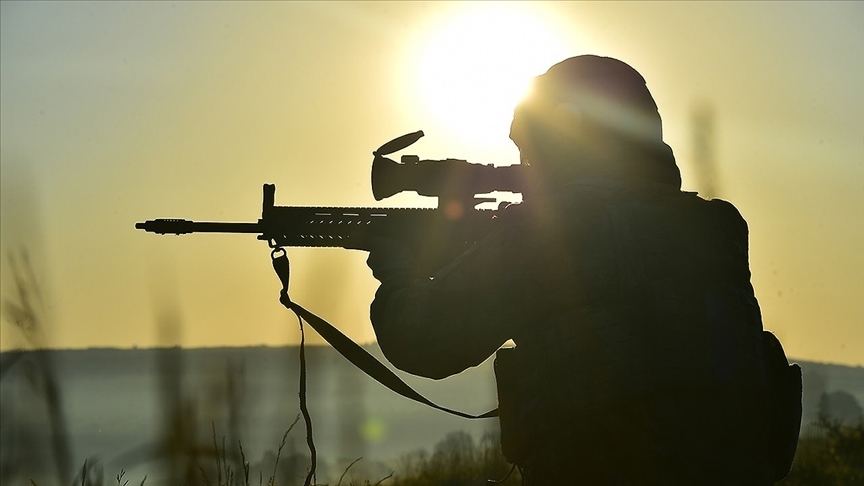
456	460
832	456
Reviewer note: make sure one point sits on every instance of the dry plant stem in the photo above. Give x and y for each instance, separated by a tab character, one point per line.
245	464
216	450
355	461
27	314
385	478
279	453
204	476
229	474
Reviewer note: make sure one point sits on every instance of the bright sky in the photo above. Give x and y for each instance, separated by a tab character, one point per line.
113	113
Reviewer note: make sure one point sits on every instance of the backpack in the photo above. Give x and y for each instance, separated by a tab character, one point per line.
784	405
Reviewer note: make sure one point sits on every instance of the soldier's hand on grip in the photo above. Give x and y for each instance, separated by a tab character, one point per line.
390	259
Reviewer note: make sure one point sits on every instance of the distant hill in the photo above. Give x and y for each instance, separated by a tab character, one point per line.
822	379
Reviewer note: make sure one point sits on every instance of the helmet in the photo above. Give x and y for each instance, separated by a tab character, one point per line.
593	90
592	108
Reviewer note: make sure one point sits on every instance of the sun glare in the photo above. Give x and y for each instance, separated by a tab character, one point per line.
474	66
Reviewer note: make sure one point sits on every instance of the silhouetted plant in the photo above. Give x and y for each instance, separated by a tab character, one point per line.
26	312
834	456
456	461
91	474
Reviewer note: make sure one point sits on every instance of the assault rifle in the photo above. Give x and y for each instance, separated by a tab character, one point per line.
434	233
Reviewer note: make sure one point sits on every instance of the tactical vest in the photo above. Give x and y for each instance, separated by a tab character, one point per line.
661	301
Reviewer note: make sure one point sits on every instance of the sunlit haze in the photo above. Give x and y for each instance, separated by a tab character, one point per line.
473	65
113	113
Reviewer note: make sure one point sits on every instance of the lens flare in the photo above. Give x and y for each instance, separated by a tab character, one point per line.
474	66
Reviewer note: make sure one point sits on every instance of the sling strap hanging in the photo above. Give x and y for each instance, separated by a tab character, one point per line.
352	351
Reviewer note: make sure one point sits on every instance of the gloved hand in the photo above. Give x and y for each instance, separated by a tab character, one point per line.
390	259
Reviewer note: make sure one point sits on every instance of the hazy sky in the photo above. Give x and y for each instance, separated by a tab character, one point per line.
112	113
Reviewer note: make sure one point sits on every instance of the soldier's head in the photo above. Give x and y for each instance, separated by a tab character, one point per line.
593	116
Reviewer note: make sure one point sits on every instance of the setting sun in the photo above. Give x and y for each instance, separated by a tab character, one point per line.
474	64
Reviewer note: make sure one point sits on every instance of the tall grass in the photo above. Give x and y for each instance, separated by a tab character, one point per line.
832	456
26	311
457	460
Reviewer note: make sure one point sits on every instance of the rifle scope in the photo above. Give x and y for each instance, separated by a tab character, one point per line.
447	178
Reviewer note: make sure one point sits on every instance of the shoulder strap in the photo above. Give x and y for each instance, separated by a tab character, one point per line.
352	351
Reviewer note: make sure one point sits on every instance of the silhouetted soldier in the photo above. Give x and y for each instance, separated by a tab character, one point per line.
638	336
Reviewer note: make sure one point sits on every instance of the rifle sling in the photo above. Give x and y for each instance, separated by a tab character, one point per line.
352	351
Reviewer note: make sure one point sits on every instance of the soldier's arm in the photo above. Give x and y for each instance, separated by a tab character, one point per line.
542	262
442	326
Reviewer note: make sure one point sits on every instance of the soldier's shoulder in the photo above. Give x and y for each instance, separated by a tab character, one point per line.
728	214
726	208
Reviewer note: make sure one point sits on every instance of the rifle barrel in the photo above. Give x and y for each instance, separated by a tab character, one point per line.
183	226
